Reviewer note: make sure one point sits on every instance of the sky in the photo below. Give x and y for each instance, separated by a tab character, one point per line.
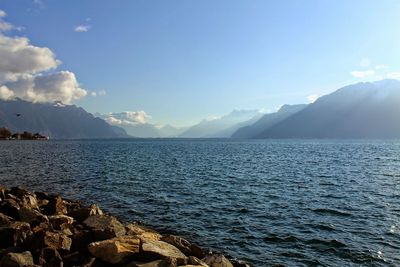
180	61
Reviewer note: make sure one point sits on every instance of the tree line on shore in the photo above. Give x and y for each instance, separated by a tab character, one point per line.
6	134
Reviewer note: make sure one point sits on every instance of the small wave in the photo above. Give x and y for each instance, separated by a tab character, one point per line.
331	212
292	254
333	243
277	239
391	175
324	227
243	210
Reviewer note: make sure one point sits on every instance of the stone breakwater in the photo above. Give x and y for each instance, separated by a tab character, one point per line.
39	229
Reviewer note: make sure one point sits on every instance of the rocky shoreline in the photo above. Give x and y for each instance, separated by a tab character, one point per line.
40	229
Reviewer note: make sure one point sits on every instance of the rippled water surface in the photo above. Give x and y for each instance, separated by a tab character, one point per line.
298	203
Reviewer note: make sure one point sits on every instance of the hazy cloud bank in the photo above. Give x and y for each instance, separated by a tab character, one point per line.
127	118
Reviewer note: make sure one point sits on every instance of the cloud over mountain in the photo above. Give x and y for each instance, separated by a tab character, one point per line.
27	72
19	58
60	86
127	118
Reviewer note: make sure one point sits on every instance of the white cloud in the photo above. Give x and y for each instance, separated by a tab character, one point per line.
394	75
19	57
127	118
213	118
362	74
26	71
82	28
365	62
111	120
5	93
380	67
265	110
5	26
98	93
38	2
312	98
59	86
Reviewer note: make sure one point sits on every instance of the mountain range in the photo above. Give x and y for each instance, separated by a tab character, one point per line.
222	127
135	125
362	110
55	120
266	121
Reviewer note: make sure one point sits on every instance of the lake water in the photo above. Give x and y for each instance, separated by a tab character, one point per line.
298	203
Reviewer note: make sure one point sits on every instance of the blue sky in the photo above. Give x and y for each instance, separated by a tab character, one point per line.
182	61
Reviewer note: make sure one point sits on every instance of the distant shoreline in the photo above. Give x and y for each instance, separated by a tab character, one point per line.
6	134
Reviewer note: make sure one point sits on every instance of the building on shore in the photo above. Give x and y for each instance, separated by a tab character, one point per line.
6	134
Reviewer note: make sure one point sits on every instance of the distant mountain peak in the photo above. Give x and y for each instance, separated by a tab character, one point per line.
287	107
55	119
361	110
223	126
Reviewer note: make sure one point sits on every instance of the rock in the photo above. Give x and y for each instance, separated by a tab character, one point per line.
116	250
4	219
185	246
50	257
157	263
195	261
19	192
60	222
160	249
93	262
182	244
43	239
14	234
66	232
32	216
2	192
81	239
42	227
29	201
11	196
42	203
237	263
10	207
76	259
56	206
143	233
149	236
42	196
135	229
17	260
197	251
104	226
216	260
74	235
82	214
